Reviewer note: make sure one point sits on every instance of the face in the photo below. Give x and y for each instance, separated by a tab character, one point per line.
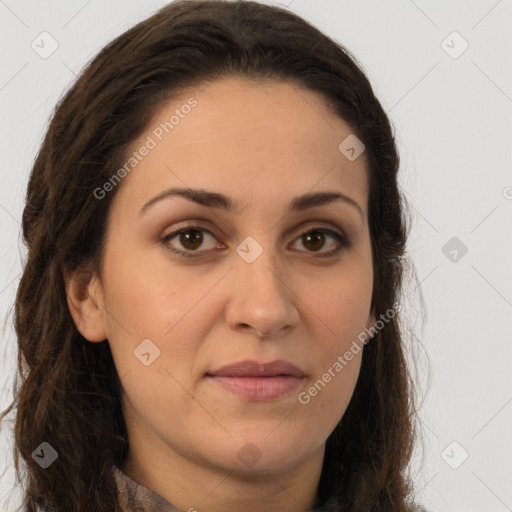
259	281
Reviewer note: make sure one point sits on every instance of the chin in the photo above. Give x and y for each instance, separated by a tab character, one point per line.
266	456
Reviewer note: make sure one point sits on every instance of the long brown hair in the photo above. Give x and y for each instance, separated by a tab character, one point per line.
69	391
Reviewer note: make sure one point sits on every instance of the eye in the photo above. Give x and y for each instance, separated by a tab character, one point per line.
191	238
314	240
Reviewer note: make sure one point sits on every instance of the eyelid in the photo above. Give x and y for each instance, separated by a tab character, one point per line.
321	226
206	225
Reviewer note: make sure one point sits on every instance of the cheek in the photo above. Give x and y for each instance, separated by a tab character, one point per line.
339	300
328	394
153	397
341	314
144	295
340	360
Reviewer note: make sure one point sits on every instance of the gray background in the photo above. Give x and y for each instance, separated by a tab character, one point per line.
453	118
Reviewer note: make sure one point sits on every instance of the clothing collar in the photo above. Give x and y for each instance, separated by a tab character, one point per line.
135	497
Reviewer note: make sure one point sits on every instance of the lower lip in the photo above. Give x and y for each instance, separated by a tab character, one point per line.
259	388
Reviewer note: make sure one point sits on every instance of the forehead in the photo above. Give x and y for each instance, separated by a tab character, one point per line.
267	139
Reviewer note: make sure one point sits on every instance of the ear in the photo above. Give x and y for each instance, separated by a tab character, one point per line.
85	303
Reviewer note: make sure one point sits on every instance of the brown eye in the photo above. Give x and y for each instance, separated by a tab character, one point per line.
313	240
191	239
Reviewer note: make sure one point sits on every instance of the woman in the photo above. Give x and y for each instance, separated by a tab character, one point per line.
208	316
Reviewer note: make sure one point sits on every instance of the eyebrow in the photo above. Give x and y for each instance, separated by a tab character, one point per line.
217	200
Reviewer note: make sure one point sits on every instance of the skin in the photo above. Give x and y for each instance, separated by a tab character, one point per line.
262	145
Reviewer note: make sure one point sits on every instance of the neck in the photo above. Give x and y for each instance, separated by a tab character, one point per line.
195	485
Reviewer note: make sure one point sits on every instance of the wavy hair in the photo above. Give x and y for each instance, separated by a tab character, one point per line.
68	392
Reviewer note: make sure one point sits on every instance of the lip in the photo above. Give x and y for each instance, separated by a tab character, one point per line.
257	381
250	368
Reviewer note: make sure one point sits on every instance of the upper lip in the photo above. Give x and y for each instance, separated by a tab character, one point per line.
249	368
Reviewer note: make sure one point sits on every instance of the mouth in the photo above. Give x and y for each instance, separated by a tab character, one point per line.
257	381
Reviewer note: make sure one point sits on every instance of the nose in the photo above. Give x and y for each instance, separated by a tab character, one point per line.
263	300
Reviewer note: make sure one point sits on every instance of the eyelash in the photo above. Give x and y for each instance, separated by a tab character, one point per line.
343	242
